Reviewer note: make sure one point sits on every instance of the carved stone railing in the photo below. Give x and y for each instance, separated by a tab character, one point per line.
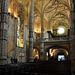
53	39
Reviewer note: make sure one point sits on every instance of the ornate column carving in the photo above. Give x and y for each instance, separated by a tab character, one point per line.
42	52
3	32
31	32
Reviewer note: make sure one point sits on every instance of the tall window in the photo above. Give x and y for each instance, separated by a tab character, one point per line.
18	31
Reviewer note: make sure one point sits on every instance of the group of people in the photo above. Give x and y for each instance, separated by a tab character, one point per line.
13	60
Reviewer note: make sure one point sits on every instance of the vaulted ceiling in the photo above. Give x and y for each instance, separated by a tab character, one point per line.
56	12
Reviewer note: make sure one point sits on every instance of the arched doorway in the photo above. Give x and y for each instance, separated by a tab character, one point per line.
35	54
57	53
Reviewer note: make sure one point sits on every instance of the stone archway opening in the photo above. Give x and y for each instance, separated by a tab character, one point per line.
57	54
35	54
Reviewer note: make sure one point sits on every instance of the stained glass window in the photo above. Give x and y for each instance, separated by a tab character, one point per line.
18	28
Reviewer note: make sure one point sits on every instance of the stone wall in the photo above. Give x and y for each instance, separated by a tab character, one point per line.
11	33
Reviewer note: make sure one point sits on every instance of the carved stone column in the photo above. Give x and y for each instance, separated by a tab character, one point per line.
25	42
31	32
73	37
42	52
3	32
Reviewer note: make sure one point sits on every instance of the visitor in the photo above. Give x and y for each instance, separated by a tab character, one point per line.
11	60
61	59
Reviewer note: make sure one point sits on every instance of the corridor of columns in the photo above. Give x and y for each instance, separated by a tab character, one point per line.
38	31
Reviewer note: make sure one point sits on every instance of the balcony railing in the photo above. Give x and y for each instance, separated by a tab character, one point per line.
53	39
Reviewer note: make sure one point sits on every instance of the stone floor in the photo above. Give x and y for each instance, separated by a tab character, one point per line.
42	68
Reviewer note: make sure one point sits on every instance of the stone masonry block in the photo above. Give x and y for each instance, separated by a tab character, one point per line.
4	17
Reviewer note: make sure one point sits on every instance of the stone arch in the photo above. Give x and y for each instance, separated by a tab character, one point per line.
59	50
37	56
57	46
36	48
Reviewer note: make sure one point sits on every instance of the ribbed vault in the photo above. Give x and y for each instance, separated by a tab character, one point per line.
56	12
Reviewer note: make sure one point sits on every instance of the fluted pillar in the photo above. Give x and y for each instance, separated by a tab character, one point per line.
3	32
73	37
31	32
